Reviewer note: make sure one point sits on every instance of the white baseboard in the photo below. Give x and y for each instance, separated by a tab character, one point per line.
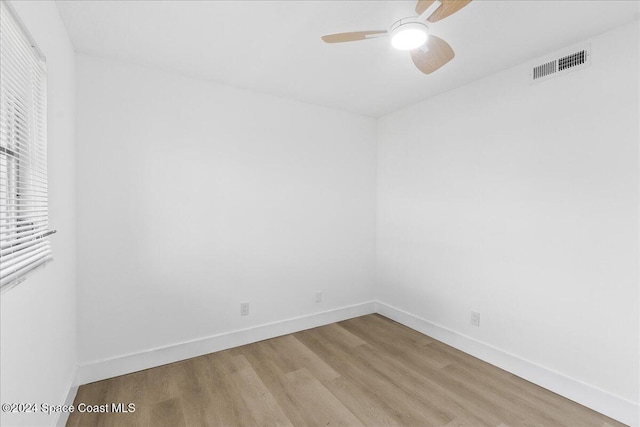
108	368
599	400
61	419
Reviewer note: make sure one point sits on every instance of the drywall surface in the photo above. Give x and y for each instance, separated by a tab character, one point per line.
520	202
38	317
195	197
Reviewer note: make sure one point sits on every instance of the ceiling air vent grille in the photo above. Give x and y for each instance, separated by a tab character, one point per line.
544	70
561	63
572	60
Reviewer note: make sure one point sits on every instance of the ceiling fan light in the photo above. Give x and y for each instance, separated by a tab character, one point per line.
409	36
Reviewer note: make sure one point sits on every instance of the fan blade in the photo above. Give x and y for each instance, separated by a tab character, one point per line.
350	37
423	5
449	7
433	55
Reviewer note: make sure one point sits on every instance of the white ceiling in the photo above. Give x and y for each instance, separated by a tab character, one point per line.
275	47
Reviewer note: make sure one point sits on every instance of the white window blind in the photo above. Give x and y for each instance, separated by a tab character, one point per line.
24	226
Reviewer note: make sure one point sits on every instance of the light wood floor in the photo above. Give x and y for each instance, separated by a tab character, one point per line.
364	371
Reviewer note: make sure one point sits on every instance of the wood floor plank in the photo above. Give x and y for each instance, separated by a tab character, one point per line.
407	372
294	355
229	407
455	402
343	336
552	411
406	408
362	403
474	399
389	330
161	385
259	400
364	371
264	361
317	405
571	412
167	414
538	401
122	391
415	352
196	398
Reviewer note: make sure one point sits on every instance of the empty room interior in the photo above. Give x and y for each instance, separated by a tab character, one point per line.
320	213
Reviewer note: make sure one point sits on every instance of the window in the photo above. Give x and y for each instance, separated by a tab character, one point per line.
24	214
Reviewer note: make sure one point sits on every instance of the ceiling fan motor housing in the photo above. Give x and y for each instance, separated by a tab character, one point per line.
408	33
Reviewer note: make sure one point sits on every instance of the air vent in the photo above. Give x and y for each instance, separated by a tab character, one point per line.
572	60
544	70
561	63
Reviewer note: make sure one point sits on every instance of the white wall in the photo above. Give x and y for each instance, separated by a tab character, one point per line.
38	317
194	197
521	202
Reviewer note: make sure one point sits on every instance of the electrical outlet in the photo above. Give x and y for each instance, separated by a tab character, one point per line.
244	309
319	296
475	318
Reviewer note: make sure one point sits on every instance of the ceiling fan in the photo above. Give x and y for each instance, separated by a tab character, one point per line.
428	52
